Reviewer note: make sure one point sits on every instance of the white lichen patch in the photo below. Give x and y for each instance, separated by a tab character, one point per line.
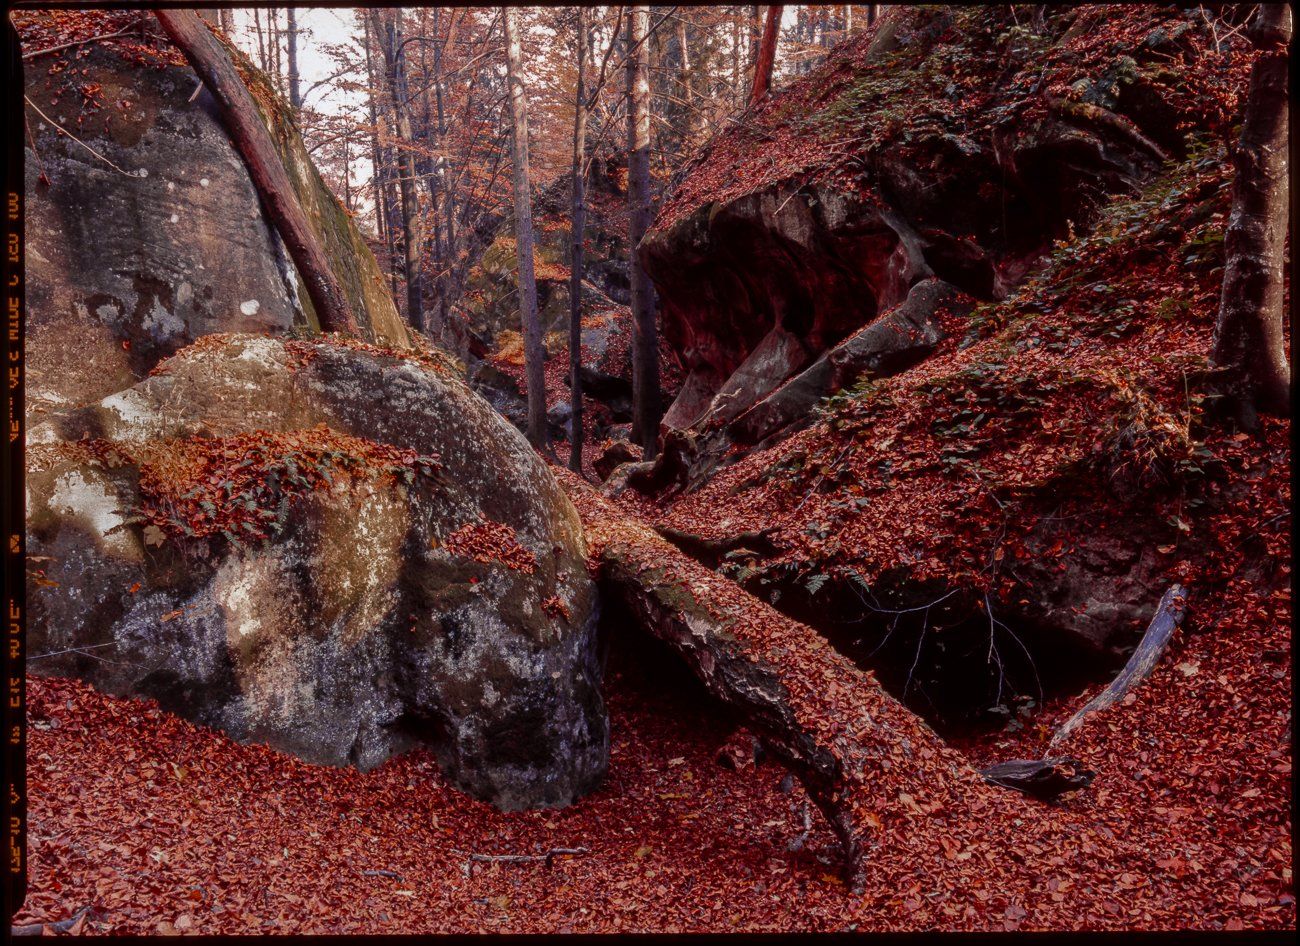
250	307
136	412
264	352
93	502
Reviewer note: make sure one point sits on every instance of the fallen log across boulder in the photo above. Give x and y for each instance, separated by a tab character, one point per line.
868	763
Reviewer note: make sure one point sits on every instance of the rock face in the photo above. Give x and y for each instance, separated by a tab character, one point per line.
880	170
156	237
329	548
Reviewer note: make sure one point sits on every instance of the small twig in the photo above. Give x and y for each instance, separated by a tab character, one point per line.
65	131
76	42
383	873
74	650
548	857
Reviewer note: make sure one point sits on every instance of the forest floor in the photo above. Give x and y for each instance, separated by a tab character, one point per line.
165	826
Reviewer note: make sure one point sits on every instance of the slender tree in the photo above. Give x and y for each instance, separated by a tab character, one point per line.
645	338
534	355
291	39
579	220
243	122
389	30
766	55
1249	351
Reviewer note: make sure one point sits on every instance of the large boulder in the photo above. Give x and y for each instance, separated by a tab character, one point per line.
328	547
146	232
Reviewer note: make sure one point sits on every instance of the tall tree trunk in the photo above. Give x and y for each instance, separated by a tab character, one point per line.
579	220
227	18
1248	344
736	84
534	355
376	156
444	167
243	122
848	19
263	59
295	91
766	55
873	11
645	336
390	34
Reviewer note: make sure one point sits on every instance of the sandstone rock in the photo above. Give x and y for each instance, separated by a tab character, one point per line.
392	602
132	260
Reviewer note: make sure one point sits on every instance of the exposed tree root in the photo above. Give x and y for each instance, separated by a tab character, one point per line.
712	550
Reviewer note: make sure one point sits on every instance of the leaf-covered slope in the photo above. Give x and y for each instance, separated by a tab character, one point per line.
955	142
1054	461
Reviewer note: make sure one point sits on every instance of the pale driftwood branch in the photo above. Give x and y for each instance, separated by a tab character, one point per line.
62	926
1169	615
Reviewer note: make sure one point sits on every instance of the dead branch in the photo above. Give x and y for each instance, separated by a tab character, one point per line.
1168	617
548	857
62	926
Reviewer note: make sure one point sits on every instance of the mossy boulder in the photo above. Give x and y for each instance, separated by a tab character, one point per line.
334	549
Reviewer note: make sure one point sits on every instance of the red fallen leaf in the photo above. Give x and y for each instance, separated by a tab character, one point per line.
172	615
134	588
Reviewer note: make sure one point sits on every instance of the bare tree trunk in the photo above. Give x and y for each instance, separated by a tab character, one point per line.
693	131
444	169
390	35
376	156
873	11
736	84
1248	345
766	56
645	336
226	17
253	142
262	59
579	219
848	18
534	356
295	91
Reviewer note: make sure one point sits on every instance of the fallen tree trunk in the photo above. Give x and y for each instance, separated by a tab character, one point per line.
251	139
1169	615
867	762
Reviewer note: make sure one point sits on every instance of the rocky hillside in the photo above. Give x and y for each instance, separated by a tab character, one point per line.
955	143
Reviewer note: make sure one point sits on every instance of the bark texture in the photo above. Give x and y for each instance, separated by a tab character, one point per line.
579	220
645	333
238	112
1249	348
534	355
766	55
